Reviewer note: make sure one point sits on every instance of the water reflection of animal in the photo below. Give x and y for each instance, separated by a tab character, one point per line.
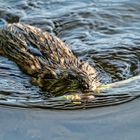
48	60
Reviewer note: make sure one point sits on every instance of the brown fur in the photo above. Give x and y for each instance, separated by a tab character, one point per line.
47	59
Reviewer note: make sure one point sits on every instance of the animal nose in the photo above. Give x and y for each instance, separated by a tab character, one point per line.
90	90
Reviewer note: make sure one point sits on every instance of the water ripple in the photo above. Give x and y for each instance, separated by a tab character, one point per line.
104	33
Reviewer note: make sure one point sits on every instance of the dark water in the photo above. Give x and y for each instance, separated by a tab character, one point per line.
105	33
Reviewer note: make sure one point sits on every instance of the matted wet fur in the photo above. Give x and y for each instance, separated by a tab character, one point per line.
48	60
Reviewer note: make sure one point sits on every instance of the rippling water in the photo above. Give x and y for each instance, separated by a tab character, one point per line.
102	32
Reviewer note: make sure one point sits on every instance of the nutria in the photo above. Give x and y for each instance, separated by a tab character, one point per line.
49	61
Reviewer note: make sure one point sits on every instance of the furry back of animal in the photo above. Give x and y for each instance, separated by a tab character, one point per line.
47	59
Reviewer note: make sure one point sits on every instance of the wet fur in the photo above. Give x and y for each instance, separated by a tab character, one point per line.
48	60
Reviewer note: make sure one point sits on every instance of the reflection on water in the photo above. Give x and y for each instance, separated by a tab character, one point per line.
104	33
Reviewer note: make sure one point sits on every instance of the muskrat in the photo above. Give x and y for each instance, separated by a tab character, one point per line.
49	61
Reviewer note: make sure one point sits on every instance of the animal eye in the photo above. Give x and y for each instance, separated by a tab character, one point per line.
71	76
49	76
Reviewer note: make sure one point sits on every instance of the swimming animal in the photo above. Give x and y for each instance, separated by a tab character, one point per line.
47	59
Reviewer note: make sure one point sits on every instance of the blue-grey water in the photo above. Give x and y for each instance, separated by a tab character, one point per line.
105	33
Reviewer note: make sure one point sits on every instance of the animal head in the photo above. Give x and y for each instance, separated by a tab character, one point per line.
82	78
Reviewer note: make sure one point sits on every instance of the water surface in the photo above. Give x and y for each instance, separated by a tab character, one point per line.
104	33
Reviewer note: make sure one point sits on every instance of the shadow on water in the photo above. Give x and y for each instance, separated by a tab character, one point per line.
106	34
